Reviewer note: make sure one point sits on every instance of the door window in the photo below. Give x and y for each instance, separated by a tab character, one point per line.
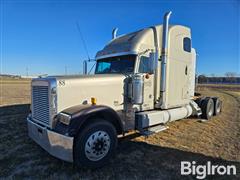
144	65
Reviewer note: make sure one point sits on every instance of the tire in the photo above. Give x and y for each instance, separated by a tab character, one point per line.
95	145
197	94
207	107
199	101
217	106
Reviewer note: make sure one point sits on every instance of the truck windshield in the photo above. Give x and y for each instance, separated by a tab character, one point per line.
117	64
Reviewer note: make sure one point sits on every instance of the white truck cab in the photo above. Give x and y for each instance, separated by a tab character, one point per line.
142	81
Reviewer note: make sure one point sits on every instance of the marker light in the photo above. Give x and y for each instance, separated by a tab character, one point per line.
147	76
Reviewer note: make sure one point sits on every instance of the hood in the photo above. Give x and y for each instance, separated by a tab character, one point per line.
108	89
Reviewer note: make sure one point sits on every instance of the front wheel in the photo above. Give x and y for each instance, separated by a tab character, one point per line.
95	145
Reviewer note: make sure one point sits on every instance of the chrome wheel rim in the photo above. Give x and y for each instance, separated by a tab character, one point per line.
218	107
210	112
97	145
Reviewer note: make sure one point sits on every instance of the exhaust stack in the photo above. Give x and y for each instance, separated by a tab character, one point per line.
164	58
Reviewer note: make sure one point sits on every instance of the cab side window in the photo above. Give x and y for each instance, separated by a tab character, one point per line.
187	44
144	66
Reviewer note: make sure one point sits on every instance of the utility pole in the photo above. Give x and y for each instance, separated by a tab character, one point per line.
27	71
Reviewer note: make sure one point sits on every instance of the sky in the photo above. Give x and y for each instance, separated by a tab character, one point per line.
41	36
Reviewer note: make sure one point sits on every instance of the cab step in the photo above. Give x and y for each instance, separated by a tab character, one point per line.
152	130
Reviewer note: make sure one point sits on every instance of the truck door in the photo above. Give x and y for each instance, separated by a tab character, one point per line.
178	67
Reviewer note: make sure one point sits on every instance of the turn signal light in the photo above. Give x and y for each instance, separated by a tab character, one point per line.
93	101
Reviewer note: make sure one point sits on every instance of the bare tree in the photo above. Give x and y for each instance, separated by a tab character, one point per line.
231	76
202	79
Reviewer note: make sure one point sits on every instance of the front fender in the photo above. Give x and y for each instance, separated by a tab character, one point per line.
82	114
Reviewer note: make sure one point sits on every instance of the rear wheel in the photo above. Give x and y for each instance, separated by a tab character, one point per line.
207	107
217	105
95	145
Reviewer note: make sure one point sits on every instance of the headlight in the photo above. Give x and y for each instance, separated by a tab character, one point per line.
64	118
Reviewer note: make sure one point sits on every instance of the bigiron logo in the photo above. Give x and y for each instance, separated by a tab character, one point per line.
201	171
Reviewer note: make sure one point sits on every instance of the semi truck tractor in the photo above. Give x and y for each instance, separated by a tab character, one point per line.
142	81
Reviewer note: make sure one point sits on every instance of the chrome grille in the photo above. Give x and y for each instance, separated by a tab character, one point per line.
40	104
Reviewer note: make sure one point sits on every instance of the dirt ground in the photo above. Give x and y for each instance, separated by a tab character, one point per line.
156	157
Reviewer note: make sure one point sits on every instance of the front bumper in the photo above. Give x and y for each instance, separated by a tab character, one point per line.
54	143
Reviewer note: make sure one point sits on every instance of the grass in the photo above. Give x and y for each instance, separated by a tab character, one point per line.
231	87
156	157
14	91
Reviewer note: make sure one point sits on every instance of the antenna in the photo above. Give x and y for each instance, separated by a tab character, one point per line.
84	44
91	68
